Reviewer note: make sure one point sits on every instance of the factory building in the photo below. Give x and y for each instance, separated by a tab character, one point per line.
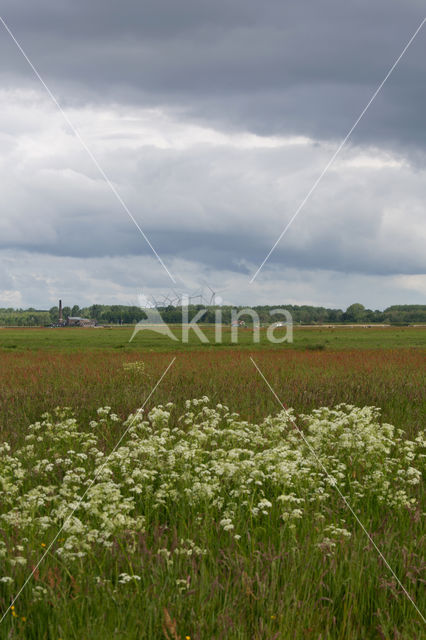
73	321
76	321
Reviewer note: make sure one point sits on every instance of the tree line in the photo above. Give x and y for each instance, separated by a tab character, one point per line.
120	314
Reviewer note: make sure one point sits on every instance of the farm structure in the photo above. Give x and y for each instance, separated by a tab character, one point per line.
76	321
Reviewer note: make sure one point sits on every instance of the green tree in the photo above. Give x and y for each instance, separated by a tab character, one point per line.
54	315
95	311
355	312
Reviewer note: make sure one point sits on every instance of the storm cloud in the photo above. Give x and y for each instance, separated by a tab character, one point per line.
213	120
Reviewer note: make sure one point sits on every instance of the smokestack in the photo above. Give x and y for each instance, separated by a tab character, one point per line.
60	311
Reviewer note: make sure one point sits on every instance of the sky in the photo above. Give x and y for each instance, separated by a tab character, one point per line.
212	121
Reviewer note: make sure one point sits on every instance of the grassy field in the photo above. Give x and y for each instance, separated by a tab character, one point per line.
334	338
204	524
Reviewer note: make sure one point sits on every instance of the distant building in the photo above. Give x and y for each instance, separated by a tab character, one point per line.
76	321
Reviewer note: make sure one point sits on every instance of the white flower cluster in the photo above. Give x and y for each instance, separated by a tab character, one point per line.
136	367
365	456
206	461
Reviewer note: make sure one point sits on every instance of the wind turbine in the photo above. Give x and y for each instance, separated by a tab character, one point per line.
194	297
177	299
214	294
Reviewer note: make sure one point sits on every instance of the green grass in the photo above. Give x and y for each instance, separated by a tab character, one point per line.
207	552
273	582
32	382
81	339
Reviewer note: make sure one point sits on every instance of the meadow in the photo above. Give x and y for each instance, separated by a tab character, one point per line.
212	518
118	338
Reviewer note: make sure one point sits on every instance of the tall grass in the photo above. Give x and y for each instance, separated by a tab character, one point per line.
34	382
171	566
215	528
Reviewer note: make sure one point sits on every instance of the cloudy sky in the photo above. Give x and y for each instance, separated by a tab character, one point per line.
212	121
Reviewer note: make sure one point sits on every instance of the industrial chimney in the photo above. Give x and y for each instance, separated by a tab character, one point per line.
60	311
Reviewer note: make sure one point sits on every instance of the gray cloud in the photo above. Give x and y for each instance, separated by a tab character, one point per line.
223	202
274	67
39	280
213	120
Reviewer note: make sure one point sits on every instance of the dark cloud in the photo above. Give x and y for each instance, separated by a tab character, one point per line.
221	203
272	67
166	93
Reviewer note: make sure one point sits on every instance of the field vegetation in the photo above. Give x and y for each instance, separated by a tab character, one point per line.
334	338
212	518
